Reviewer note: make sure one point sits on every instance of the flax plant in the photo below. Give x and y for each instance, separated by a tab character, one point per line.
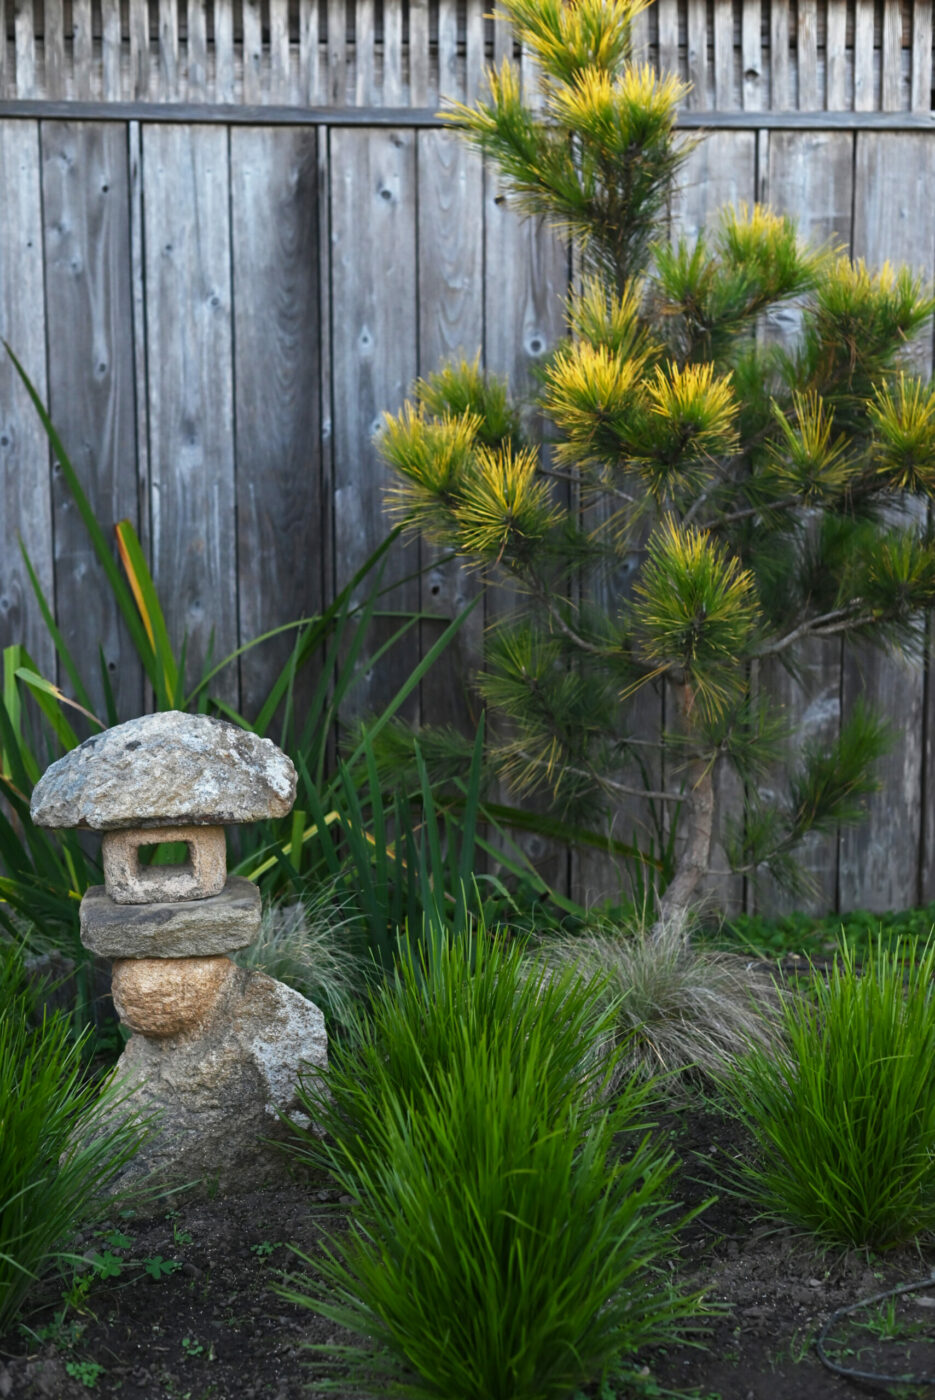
723	500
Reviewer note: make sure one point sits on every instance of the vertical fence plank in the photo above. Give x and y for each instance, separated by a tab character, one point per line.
309	82
668	11
86	208
138	293
836	56
780	97
337	50
53	42
894	176
25	497
168	86
864	95
450	263
806	45
280	59
891	99
448	76
191	411
722	170
5	65
224	77
111	48
24	37
82	50
364	52
524	291
197	51
274	211
475	60
252	53
724	55
418	53
751	43
139	50
810	177
922	80
373	280
639	37
698	97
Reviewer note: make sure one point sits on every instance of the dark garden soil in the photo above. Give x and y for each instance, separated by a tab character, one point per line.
210	1325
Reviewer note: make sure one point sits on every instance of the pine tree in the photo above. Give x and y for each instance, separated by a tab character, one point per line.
766	491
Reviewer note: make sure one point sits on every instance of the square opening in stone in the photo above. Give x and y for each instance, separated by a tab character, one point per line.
174	854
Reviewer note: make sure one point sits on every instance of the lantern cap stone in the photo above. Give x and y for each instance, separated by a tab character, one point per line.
167	769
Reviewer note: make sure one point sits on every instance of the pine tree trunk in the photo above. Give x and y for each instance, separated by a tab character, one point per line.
697	819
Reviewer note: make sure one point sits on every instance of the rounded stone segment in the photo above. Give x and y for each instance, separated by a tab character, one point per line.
203	874
169	769
194	928
167	996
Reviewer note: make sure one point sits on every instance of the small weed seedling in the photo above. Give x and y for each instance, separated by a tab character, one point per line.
157	1267
265	1248
88	1373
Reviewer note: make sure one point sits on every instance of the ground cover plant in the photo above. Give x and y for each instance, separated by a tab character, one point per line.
499	1247
754	496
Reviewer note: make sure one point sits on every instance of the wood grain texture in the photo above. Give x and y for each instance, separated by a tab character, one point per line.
309	79
418	53
85	77
668	12
879	861
24	39
111	49
864	93
274	210
699	97
140	64
373	360
280	59
392	86
25	494
810	178
53	42
806	46
724	55
722	170
451	303
449	84
364	47
475	60
168	67
923	81
780	96
891	97
140	365
751	43
86	206
197	46
337	52
191	410
252	52
836	57
224	81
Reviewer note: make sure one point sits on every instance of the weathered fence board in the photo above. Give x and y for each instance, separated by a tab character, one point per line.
191	387
25	493
86	208
280	510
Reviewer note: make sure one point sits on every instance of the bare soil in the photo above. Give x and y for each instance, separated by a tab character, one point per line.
193	1312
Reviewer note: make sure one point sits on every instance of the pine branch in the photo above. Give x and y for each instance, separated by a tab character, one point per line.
609	785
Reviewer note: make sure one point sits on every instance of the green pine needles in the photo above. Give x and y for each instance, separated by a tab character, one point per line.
511	1226
708	500
844	1113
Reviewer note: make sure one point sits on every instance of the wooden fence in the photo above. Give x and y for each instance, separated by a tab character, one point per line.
232	234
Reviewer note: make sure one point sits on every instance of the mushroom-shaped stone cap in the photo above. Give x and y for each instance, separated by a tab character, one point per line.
168	769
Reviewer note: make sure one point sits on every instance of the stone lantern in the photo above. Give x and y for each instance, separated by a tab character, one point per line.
216	1049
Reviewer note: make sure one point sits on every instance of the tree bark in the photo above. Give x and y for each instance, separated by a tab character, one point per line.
698	818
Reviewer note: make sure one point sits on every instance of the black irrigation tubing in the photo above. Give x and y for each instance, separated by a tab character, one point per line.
849	1372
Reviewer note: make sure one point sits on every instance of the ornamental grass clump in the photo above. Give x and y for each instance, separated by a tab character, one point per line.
503	1245
676	1007
62	1142
844	1116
